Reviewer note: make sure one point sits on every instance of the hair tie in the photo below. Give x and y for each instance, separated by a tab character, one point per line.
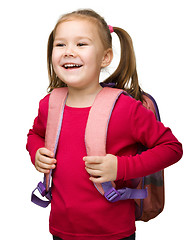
111	28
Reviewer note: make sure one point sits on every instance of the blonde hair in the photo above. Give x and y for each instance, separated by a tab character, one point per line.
125	76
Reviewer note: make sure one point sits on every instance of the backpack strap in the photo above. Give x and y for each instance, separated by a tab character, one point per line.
55	114
95	141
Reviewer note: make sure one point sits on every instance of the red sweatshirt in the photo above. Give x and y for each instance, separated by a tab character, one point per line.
78	210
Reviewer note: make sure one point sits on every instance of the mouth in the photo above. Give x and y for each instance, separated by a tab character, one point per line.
71	66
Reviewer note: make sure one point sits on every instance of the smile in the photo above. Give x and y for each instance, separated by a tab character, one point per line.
71	66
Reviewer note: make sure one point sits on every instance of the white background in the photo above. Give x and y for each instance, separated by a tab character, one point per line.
158	29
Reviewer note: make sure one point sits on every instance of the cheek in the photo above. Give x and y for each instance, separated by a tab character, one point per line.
55	58
98	57
92	58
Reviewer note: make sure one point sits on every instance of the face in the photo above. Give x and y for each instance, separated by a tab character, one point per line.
78	54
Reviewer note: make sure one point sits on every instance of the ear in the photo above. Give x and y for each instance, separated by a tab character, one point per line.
107	58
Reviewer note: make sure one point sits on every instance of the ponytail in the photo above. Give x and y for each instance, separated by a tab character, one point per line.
125	76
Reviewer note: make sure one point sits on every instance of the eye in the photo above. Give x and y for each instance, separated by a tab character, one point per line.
82	44
60	45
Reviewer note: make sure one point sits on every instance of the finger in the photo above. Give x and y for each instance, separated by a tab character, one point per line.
93	166
93	159
47	160
97	179
46	152
92	172
46	166
42	170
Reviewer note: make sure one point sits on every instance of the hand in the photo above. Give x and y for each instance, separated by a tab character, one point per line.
44	160
101	169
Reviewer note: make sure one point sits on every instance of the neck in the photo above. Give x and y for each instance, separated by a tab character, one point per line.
82	97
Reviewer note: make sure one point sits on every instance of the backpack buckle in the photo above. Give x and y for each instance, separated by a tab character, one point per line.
112	195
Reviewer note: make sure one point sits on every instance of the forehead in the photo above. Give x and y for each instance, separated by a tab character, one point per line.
76	27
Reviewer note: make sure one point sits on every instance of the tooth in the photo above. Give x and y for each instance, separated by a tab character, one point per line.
71	65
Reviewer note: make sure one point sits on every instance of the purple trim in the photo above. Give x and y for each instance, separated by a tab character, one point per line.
141	201
113	195
155	105
39	201
128	193
103	84
41	188
159	119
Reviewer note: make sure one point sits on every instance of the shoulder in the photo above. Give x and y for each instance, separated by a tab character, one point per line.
123	110
44	102
128	107
43	108
126	102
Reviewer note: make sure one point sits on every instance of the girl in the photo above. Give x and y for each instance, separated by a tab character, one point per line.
78	48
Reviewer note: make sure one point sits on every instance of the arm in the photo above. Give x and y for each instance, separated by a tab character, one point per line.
163	148
34	142
41	157
36	135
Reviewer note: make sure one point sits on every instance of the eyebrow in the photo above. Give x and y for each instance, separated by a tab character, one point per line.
77	38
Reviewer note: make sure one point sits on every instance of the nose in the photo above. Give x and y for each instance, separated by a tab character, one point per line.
69	51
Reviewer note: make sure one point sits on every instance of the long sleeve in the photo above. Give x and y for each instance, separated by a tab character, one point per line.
163	147
36	135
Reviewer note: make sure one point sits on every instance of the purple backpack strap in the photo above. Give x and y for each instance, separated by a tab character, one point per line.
55	114
95	141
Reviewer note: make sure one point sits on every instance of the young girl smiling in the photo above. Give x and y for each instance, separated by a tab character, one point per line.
79	47
78	56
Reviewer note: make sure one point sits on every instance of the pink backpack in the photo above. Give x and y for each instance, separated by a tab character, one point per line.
148	192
